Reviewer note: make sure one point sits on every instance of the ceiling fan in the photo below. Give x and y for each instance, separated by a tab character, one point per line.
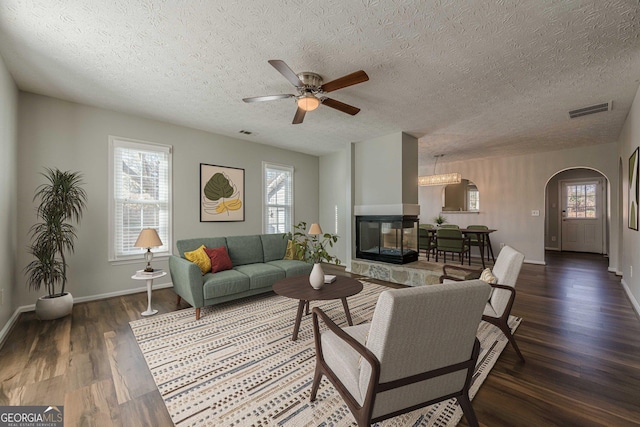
311	90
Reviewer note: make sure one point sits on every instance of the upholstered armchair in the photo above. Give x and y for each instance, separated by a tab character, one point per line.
498	309
452	240
419	349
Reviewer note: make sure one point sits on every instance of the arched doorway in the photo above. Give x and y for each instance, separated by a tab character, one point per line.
577	211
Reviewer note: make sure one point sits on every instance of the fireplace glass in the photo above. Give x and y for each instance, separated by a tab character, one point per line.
392	239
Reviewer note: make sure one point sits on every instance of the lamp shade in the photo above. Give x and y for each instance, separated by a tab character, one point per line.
315	229
148	238
308	102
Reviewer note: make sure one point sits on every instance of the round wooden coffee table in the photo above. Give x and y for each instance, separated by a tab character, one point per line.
298	287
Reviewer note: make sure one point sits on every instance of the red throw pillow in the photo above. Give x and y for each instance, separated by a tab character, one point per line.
220	260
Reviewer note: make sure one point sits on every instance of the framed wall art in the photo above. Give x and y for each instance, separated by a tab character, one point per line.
221	193
633	190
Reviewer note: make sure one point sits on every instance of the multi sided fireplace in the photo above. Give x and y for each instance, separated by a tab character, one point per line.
392	238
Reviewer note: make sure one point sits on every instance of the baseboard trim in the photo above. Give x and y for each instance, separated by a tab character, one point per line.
633	300
119	293
4	333
533	261
552	249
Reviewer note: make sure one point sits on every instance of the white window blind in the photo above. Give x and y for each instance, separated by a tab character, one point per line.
278	198
139	196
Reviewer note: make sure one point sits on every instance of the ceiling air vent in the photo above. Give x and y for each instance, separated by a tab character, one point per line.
599	108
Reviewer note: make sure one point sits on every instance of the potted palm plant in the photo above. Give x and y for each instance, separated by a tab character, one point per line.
62	201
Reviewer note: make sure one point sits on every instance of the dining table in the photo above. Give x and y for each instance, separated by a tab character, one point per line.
483	239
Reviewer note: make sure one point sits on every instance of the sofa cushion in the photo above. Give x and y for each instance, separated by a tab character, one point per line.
273	246
200	258
292	267
187	245
261	275
225	283
219	257
245	249
292	251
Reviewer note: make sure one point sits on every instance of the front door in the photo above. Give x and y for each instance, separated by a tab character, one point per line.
582	215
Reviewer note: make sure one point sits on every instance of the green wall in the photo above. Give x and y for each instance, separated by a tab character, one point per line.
56	133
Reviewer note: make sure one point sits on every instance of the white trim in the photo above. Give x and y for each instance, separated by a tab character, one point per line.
390	209
287	168
4	333
141	145
532	261
546	248
633	300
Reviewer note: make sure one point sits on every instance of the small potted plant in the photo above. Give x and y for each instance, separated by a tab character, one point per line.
311	246
439	220
62	201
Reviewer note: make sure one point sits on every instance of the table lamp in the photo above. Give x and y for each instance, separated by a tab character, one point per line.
148	238
315	229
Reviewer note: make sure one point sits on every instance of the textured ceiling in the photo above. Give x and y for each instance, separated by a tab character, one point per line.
469	78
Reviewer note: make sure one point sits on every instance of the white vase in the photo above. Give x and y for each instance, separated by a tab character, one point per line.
316	278
54	308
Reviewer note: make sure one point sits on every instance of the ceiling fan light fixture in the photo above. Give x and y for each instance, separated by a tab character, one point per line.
308	102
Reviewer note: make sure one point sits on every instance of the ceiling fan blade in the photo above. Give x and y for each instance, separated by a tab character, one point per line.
299	117
287	72
344	81
340	106
268	97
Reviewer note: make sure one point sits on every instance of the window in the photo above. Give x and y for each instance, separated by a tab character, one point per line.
139	196
278	198
580	200
473	199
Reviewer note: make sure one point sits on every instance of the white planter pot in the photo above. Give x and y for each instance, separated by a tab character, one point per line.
316	278
54	308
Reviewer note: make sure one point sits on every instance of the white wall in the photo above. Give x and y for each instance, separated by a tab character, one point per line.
8	191
378	171
334	179
630	257
69	136
511	187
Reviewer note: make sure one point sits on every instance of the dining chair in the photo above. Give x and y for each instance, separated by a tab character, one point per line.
426	239
419	349
450	226
452	240
473	238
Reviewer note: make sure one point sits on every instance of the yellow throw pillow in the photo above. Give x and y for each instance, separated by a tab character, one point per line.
200	258
487	276
292	251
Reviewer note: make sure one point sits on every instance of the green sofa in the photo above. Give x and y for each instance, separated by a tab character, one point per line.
257	264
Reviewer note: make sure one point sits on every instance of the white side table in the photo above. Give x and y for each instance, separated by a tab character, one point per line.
149	279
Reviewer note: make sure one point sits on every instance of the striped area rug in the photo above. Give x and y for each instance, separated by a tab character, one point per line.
237	365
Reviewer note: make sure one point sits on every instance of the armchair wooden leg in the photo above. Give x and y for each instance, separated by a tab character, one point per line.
317	376
512	340
197	314
179	300
506	330
467	409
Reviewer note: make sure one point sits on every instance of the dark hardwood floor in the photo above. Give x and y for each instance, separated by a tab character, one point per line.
580	336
